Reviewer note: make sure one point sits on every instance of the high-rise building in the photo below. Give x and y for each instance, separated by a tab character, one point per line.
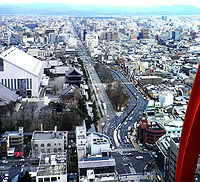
14	39
145	33
176	35
52	37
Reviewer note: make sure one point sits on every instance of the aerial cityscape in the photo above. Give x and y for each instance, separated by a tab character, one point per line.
95	93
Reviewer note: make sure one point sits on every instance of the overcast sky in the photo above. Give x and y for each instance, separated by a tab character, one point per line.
111	2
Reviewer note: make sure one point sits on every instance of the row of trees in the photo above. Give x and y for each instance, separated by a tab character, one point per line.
31	118
104	73
117	95
114	89
66	114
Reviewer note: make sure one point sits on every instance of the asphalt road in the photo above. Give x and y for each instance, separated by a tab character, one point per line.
126	164
137	104
130	115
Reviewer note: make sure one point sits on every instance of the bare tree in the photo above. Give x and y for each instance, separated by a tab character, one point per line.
77	93
55	89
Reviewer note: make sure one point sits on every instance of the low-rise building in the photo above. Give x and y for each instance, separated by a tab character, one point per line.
94	156
48	142
52	167
12	144
149	132
154	80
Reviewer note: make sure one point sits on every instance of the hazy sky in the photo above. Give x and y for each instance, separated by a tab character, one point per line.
111	2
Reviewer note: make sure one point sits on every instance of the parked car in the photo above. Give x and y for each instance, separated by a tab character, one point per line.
139	157
130	154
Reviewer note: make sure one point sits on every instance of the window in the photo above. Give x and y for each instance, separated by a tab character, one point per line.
43	150
1	65
36	152
8	83
36	145
21	84
11	83
55	150
42	145
59	150
40	180
30	83
46	179
48	145
2	81
53	179
5	82
27	84
15	84
48	150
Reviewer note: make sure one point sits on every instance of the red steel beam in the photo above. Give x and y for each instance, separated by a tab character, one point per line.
189	147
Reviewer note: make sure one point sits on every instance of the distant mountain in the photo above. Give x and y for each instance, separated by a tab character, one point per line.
92	10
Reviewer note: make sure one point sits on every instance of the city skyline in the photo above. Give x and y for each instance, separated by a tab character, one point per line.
142	3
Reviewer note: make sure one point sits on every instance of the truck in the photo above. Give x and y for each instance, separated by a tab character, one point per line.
129	128
104	105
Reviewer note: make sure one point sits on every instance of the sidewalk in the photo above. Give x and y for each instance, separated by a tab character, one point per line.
135	144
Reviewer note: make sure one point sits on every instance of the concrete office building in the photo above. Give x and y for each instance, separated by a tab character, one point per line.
166	99
94	160
21	72
52	168
154	80
52	37
145	33
174	145
14	39
12	143
48	142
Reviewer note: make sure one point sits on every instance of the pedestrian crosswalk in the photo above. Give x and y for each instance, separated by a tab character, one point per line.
137	149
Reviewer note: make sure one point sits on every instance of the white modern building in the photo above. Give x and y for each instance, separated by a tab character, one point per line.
21	72
52	168
166	99
94	156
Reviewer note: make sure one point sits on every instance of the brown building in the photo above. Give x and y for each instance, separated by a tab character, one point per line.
149	133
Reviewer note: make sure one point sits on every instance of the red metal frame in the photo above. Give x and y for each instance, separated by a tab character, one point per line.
189	147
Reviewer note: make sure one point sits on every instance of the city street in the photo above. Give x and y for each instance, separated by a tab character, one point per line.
128	165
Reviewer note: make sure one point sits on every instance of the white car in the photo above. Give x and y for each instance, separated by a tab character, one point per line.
4	161
139	157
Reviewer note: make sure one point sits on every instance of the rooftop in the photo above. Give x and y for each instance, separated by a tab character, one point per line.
47	135
7	95
22	60
96	162
52	165
98	138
